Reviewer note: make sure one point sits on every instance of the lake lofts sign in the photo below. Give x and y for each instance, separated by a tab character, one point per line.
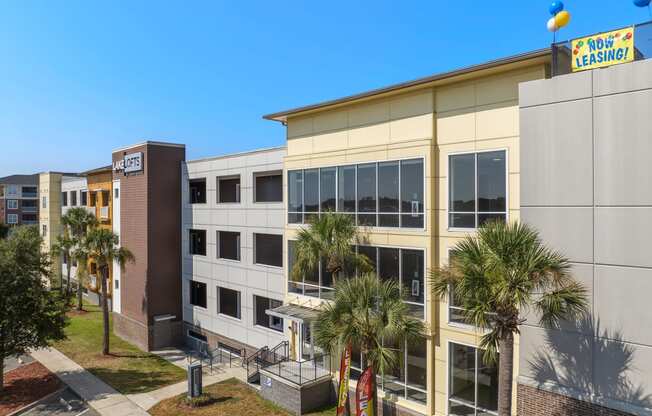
130	163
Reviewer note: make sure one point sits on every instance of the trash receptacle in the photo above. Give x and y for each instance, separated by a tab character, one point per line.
194	380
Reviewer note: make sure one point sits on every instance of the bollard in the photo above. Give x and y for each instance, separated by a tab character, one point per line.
194	380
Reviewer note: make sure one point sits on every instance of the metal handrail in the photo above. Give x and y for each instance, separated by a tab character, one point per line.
295	371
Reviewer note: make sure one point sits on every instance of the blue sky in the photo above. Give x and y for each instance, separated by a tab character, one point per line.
80	78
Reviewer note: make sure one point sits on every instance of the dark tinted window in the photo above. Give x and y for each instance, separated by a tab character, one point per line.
295	196
198	294
269	249
197	241
388	267
197	190
269	188
197	336
228	245
261	305
228	302
64	199
388	194
367	194
412	177
73	198
311	190
413	272
346	188
491	182
83	196
327	188
228	189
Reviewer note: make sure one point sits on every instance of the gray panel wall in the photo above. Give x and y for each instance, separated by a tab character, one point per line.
586	171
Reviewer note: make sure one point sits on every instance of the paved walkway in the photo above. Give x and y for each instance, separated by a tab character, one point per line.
99	395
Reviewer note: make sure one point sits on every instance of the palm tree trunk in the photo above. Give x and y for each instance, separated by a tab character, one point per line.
105	311
505	374
79	293
68	277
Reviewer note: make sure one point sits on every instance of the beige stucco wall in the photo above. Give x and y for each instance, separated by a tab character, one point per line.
50	188
477	114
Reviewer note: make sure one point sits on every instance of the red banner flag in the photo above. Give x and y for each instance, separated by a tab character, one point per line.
345	371
363	398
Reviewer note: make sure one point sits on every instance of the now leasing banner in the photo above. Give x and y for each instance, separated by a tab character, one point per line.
603	49
345	372
364	402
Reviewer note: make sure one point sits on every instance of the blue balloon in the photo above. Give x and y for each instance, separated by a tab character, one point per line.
558	6
641	3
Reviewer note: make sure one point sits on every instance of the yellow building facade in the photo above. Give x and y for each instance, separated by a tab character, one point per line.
472	113
100	201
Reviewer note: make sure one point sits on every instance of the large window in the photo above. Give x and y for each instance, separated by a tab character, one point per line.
384	194
83	196
406	266
228	189
268	187
73	198
197	294
197	191
228	245
261	305
197	242
268	249
473	385
477	188
408	379
228	302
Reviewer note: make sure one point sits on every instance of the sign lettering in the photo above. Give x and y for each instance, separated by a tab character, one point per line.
603	49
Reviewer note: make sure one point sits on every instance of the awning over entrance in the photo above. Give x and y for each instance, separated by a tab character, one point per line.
297	313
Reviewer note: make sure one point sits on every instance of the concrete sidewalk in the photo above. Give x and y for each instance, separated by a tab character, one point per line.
99	395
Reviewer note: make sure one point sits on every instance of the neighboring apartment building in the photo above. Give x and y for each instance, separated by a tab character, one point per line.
419	165
585	174
74	194
146	189
19	196
50	198
233	223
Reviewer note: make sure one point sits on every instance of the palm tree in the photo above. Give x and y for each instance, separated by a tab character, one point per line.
499	274
330	238
63	246
369	314
78	221
103	248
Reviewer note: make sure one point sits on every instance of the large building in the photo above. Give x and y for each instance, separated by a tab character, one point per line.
233	223
19	199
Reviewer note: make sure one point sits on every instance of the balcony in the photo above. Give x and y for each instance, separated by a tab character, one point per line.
29	209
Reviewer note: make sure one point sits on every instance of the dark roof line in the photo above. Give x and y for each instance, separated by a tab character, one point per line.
281	115
20	179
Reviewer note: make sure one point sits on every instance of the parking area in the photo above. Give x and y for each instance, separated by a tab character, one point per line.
62	403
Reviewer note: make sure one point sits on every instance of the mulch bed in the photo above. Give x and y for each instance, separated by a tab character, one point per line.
25	385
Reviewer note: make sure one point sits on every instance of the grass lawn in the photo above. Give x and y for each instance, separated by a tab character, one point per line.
127	369
229	397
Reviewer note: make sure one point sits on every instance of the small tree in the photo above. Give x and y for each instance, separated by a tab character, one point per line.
331	238
103	248
497	275
79	222
30	316
370	314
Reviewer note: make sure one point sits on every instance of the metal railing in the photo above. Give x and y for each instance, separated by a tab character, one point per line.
301	372
210	357
562	52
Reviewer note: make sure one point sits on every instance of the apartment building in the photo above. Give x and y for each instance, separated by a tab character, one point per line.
19	196
233	224
146	190
50	211
419	165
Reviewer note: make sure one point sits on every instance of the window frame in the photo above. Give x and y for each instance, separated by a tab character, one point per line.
217	189
190	181
218	251
73	198
190	253
270	318
83	198
12	204
255	250
255	175
377	213
191	281
477	212
12	216
238	303
448	378
321	288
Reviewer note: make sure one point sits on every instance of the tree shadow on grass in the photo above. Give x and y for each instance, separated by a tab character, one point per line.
567	364
133	381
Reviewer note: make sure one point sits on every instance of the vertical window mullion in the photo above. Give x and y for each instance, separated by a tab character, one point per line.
475	176
400	196
475	387
377	202
303	196
355	185
405	367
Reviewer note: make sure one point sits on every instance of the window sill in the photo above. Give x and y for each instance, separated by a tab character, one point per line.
272	330
229	260
268	266
229	317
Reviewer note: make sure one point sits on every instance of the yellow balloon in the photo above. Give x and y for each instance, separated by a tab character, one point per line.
562	18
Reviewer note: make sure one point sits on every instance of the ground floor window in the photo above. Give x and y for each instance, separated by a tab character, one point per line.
197	336
228	302
472	385
409	379
261	318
